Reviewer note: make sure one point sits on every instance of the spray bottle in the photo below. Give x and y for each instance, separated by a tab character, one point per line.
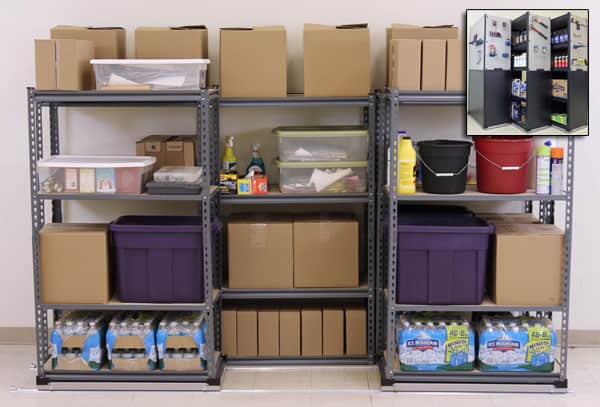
257	165
407	161
542	178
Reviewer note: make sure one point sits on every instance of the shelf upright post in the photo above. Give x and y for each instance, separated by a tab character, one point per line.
379	263
369	118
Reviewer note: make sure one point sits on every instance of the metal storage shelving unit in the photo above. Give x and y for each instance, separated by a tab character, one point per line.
208	205
389	117
364	293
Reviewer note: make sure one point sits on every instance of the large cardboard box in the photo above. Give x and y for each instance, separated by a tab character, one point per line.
455	65
247	332
63	64
405	64
74	265
527	265
253	62
333	331
229	332
260	251
325	251
184	42
337	60
168	150
268	331
356	331
433	72
289	332
312	331
109	42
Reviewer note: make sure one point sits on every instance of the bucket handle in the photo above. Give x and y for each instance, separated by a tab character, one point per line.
506	168
441	174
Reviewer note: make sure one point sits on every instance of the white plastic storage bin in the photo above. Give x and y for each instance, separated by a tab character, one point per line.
94	174
323	143
322	176
150	74
178	174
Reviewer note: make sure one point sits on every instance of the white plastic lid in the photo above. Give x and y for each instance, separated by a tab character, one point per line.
148	61
96	161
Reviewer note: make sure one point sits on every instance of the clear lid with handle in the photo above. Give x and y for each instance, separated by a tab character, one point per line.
96	161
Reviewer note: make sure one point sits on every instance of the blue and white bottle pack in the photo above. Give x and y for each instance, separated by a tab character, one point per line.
192	324
133	324
65	339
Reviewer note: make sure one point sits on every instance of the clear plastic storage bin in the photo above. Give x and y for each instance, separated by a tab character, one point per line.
150	74
322	176
94	174
322	143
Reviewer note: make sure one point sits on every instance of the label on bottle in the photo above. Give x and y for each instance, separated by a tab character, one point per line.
406	176
543	175
556	176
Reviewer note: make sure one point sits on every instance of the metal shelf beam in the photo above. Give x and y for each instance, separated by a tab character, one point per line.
471	195
281	198
296	100
117	98
294	293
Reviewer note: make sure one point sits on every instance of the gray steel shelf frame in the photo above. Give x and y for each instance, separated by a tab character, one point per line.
368	103
389	103
206	104
294	293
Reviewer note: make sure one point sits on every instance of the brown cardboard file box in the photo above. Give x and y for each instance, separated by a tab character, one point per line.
433	67
333	331
253	62
356	331
247	332
168	150
260	251
74	265
129	342
229	332
455	65
185	42
325	252
181	365
312	331
289	332
405	64
63	64
527	265
268	332
337	60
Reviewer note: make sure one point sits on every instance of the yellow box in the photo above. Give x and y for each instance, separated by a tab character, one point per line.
244	186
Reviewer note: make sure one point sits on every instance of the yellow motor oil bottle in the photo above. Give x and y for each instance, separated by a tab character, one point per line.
407	162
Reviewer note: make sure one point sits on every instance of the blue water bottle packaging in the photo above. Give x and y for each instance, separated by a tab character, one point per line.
77	341
181	341
131	341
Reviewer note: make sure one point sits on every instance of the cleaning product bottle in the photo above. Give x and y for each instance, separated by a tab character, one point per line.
556	170
407	161
257	165
229	158
542	184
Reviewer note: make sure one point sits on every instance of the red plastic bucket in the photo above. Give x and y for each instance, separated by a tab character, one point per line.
503	164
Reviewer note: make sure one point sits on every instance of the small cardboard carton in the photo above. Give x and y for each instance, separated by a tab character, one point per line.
455	65
312	331
268	331
253	62
63	64
356	331
247	332
289	331
405	64
433	67
229	332
173	151
109	42
183	42
337	60
333	331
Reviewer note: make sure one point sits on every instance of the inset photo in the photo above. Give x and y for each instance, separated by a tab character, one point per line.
527	72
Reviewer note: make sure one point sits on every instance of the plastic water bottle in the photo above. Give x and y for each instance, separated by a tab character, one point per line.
542	184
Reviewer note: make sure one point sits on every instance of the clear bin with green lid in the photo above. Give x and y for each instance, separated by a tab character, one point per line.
322	176
322	143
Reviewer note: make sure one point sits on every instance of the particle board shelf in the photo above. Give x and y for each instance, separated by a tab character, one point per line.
472	195
65	196
275	196
296	100
295	293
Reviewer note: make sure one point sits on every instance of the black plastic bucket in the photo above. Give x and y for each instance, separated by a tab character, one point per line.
444	165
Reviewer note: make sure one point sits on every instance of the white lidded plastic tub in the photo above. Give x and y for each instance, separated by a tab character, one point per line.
94	174
322	143
150	74
322	176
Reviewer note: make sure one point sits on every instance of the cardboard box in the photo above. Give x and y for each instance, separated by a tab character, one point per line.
260	251
229	332
62	362
433	71
247	332
289	332
253	62
181	365
63	64
560	88
527	265
455	65
356	331
109	42
168	150
405	64
184	42
325	252
268	332
74	265
337	60
128	364
333	331
312	331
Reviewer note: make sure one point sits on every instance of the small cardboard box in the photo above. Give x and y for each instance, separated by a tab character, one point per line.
560	88
229	332
168	150
333	331
74	265
260	251
356	331
247	332
181	365
312	331
253	62
325	252
183	42
527	265
433	72
268	332
109	42
455	65
63	64
337	60
289	332
405	64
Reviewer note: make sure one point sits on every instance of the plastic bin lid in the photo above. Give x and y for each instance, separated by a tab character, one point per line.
320	131
320	164
149	61
96	161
